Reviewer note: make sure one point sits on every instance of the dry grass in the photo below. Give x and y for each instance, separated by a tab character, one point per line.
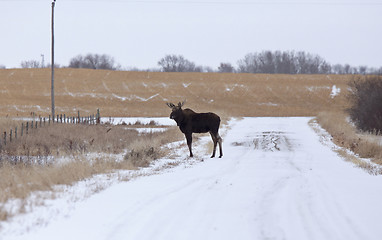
27	165
69	139
144	150
141	94
344	134
18	181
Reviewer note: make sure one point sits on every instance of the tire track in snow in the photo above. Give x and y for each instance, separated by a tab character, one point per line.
296	203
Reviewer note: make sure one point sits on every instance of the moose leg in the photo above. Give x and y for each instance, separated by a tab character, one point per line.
219	140
189	142
215	143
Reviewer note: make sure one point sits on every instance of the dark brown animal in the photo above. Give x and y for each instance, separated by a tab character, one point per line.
191	122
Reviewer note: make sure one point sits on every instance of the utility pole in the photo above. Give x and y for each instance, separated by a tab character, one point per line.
52	82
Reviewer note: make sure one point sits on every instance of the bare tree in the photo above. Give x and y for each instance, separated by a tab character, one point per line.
93	61
283	62
347	69
249	64
176	63
226	68
378	71
31	64
362	70
200	68
338	69
56	65
309	64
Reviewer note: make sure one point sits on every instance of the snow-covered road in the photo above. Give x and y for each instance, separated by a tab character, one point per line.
275	181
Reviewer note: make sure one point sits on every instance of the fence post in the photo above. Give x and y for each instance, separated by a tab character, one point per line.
26	128
32	125
98	120
15	132
5	138
22	129
10	136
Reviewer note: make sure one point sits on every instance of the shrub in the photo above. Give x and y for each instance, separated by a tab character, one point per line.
366	103
142	153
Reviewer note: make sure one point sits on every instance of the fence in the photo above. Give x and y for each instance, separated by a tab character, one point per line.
35	123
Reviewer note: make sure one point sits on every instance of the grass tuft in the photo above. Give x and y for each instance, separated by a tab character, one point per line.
142	154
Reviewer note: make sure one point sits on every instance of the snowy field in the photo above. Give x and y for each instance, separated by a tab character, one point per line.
278	179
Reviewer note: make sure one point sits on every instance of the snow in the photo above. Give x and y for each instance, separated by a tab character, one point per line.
162	121
314	88
268	104
147	99
232	87
148	130
120	98
335	91
276	180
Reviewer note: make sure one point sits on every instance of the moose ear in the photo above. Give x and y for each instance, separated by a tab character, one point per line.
180	104
170	105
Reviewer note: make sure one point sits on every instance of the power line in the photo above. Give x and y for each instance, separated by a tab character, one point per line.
323	3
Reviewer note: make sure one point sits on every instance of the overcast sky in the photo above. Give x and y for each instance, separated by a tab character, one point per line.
139	33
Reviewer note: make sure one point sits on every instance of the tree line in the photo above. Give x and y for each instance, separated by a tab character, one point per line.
271	62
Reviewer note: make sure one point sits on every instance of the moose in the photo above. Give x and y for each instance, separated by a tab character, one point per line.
191	122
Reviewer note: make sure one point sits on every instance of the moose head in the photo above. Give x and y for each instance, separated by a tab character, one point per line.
177	112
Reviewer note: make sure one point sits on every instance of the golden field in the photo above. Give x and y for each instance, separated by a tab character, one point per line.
124	94
144	94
